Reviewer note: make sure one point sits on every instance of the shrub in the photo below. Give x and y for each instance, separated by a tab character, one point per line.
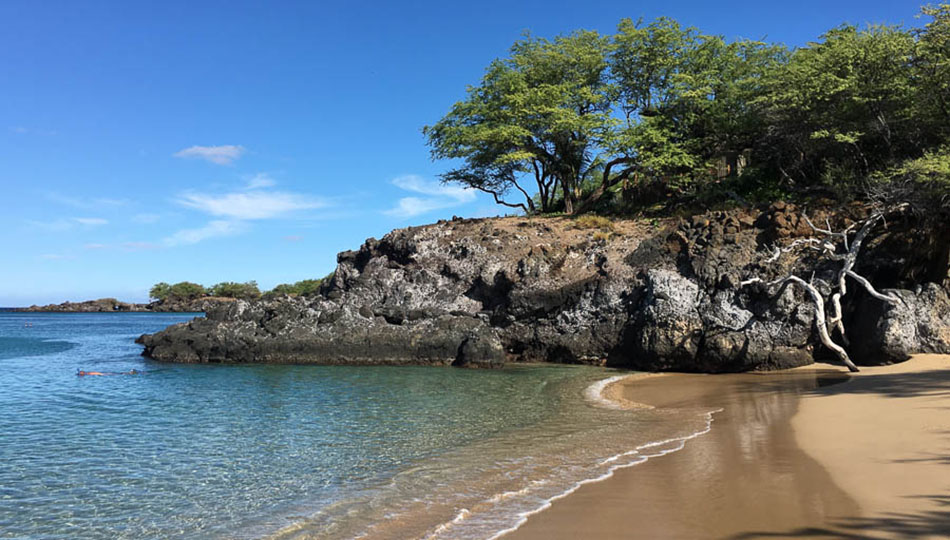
243	291
160	291
306	287
186	290
602	236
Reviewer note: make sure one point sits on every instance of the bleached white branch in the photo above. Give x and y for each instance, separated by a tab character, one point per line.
824	323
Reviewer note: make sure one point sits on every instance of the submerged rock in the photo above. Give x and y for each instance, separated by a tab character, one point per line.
648	296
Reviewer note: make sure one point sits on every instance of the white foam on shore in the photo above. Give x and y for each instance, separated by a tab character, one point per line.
595	392
638	455
680	444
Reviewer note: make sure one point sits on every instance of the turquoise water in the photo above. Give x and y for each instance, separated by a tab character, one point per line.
196	451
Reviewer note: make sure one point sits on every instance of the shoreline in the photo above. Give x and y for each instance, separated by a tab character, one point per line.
773	465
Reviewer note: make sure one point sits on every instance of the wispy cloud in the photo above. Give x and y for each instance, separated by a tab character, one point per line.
139	246
62	224
247	205
91	221
235	209
56	257
32	131
438	196
260	180
221	155
292	238
95	246
85	203
146	218
213	229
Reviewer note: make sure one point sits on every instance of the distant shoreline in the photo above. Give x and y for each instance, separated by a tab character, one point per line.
111	305
27	310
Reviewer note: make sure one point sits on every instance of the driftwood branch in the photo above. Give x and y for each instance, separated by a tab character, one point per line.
826	323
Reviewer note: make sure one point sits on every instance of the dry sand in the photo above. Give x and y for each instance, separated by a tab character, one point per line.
884	437
786	458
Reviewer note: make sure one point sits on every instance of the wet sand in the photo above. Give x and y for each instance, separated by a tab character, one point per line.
785	458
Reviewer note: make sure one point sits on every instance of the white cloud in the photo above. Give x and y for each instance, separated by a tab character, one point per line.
85	203
251	204
146	218
439	196
28	131
213	229
91	221
139	246
260	180
57	225
56	257
95	246
61	224
221	155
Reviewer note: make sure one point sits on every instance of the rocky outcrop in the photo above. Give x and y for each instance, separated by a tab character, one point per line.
649	295
920	322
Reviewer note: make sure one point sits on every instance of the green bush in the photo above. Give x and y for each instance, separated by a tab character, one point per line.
186	290
306	287
243	291
160	291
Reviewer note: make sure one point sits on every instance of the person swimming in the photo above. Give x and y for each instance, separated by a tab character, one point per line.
81	373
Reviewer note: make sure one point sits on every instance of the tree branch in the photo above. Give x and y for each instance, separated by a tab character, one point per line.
824	324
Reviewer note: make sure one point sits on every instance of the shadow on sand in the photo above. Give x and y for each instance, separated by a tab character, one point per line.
928	524
923	524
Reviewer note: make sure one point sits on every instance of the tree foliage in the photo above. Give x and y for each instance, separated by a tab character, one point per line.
541	114
560	123
230	289
306	287
184	290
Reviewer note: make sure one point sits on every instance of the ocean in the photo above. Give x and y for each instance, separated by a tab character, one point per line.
201	451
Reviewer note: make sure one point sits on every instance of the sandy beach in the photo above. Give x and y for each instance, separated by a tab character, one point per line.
806	453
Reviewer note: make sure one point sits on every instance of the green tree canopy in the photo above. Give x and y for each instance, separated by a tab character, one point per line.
306	287
568	120
843	105
541	114
160	291
230	289
186	290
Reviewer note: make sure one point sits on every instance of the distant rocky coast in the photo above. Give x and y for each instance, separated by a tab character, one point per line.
112	305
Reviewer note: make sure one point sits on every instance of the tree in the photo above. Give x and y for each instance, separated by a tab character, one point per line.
544	113
933	72
306	287
159	291
186	290
584	113
230	289
843	107
684	97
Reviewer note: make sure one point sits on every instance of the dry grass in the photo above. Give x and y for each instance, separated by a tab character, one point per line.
594	222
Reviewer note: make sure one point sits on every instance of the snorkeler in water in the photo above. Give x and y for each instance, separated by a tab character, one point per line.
81	373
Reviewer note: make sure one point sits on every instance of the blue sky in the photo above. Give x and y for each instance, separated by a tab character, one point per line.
231	141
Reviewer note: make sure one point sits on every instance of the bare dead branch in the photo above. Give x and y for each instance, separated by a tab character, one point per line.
827	323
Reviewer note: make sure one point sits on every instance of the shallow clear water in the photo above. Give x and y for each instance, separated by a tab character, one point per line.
185	451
